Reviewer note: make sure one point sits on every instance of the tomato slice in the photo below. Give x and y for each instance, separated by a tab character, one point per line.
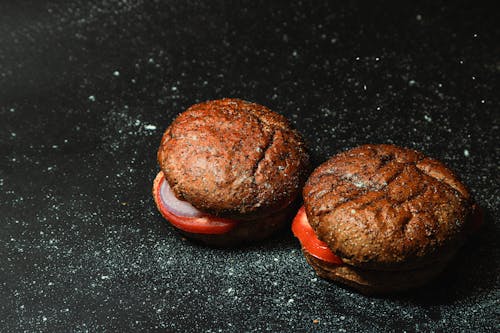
308	239
207	224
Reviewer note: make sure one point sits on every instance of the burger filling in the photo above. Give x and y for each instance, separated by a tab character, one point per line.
309	241
184	216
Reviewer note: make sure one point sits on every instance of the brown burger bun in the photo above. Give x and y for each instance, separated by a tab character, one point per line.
234	159
386	211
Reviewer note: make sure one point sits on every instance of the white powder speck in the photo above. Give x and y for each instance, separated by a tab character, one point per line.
294	53
13	134
418	17
483	101
151	60
150	127
116	73
475	35
92	98
174	88
364	87
359	184
44	318
466	153
426	117
55	146
105	277
342	317
411	83
21	307
12	110
333	40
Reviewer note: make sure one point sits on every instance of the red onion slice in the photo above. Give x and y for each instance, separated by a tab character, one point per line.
174	205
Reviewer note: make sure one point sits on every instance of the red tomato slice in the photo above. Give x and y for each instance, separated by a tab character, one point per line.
308	239
207	224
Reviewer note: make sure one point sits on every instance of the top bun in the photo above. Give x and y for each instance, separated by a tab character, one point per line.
384	207
233	158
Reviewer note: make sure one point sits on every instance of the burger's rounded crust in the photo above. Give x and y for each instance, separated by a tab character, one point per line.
387	208
233	158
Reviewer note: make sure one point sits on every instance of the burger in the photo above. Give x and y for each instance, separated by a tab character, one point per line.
381	219
231	172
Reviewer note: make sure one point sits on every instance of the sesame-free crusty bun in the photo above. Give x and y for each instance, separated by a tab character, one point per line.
234	159
393	216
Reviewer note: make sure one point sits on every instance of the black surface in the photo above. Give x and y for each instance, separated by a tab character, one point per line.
83	83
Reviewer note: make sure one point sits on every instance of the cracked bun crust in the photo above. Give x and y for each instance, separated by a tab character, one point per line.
386	208
234	159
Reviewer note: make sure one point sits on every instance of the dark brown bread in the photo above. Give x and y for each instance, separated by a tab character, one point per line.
234	159
245	232
383	207
371	282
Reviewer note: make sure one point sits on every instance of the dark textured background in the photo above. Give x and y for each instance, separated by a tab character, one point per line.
87	87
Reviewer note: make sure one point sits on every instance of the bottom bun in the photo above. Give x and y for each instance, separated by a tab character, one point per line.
244	232
372	282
